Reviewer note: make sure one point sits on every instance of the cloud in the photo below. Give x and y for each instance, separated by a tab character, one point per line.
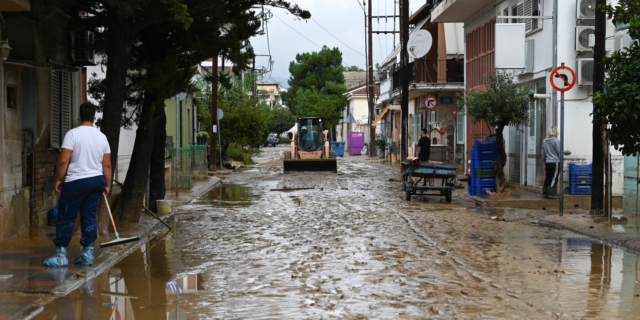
343	19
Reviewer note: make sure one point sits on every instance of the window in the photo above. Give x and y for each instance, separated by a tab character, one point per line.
460	129
12	97
529	8
60	107
505	13
416	125
514	12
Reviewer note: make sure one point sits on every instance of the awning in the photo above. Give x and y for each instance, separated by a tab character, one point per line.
457	10
454	38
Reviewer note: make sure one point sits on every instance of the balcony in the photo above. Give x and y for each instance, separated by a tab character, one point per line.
15	5
431	72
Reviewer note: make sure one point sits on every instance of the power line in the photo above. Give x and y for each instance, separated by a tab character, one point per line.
297	31
354	50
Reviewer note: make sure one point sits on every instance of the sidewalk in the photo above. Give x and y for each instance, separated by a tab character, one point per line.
26	285
576	218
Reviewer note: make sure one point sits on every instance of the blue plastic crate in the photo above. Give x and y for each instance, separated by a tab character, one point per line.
580	170
481	164
484	145
580	179
480	191
580	189
471	190
484	182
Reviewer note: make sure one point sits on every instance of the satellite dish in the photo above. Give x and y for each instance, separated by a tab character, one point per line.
419	43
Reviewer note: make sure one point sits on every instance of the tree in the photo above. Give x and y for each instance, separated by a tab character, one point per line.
281	121
503	103
353	68
317	85
618	103
160	66
244	119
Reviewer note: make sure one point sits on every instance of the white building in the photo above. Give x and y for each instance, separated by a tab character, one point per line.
528	56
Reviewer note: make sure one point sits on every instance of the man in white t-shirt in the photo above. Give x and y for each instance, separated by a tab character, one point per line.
85	158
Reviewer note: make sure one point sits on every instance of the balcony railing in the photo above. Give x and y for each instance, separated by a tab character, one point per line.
431	71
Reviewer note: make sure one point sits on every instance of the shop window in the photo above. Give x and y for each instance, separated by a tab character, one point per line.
12	97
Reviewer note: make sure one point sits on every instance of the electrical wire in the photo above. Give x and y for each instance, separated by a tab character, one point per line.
297	31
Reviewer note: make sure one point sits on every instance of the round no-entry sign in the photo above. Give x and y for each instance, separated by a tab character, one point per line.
562	78
430	102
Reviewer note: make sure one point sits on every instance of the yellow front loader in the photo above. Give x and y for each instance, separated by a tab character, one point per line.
310	148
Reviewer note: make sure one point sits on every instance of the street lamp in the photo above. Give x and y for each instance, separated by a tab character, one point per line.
5	49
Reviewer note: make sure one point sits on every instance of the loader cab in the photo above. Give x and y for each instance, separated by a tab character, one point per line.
310	130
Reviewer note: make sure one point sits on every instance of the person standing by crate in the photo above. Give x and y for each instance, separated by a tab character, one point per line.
424	146
551	157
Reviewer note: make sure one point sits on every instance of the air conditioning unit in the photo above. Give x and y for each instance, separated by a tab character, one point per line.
585	72
82	47
584	38
586	9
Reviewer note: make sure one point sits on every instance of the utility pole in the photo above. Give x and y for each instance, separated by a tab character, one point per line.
597	187
213	129
404	74
370	85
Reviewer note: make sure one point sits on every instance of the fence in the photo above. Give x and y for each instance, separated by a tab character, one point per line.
192	159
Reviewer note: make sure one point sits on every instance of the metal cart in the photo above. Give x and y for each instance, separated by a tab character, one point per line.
428	179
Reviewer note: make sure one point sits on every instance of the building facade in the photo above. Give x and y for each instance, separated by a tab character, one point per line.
528	57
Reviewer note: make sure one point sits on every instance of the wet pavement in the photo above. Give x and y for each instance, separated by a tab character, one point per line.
265	245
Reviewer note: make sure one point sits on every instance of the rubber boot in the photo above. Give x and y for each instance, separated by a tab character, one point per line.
86	257
545	192
59	259
552	193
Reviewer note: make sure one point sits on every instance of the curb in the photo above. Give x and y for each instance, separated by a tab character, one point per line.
624	241
77	280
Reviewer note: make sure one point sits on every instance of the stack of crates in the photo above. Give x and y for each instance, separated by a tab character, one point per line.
483	174
580	178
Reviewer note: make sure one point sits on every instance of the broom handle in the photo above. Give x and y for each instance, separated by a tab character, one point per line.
110	216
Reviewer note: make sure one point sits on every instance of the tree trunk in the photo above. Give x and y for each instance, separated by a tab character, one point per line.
157	174
501	181
115	82
132	197
597	186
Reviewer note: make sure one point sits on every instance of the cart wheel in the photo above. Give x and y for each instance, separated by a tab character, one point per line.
408	196
448	195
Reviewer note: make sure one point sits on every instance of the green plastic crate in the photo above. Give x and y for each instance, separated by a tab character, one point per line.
485	173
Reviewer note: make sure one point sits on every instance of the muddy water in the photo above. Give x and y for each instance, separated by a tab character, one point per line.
308	245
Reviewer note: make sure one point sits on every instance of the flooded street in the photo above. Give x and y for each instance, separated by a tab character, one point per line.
265	245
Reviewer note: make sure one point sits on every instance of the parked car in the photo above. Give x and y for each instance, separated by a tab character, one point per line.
271	141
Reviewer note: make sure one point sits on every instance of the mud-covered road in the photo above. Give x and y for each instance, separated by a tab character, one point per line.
268	245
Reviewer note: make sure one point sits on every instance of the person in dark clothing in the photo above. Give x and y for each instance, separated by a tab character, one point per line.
424	146
551	156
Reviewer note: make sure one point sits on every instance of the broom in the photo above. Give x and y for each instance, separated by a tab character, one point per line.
118	240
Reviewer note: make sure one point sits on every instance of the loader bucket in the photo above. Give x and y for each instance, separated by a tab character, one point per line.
310	165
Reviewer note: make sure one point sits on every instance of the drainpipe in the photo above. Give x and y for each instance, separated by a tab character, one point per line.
555	60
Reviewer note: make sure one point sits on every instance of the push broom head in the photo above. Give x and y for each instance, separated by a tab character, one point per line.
118	241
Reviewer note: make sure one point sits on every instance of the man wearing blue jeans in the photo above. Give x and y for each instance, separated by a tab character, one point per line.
85	158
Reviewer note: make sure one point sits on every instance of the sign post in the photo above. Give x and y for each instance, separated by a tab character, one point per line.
430	103
562	79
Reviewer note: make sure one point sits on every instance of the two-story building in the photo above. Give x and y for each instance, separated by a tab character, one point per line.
41	83
506	36
438	76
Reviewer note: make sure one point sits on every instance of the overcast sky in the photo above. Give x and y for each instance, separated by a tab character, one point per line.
345	29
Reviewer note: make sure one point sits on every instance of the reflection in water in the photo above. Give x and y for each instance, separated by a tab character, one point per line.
226	195
611	276
141	286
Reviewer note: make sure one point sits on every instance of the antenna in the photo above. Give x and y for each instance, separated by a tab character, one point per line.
419	43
